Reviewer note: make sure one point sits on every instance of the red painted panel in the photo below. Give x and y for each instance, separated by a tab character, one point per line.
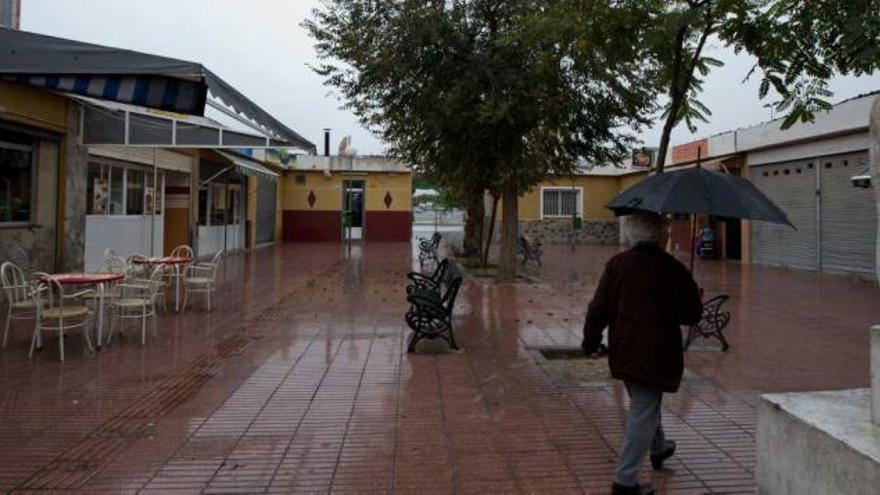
312	226
388	226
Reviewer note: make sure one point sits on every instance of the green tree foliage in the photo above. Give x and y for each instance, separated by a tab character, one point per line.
799	45
488	94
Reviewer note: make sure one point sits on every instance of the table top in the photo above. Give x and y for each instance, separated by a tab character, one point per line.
90	278
165	260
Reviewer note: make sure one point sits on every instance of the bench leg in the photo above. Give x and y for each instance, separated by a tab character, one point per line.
451	339
725	346
411	348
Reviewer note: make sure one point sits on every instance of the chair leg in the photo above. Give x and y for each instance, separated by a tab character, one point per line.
144	328
34	339
8	322
86	338
690	338
210	290
61	338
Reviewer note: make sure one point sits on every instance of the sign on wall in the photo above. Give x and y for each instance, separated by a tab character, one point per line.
644	157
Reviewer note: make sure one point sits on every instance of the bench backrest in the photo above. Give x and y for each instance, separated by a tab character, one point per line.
451	283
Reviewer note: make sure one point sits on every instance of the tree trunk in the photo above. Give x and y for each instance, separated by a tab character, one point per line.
491	230
509	231
664	141
473	235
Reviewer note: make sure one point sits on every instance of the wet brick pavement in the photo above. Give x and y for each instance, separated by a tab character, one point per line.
298	382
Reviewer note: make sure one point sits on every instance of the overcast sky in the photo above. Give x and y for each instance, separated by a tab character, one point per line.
259	47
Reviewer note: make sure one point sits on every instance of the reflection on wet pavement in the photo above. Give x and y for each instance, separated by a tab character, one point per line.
298	381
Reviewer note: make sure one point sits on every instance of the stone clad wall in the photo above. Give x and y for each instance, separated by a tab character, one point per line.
558	231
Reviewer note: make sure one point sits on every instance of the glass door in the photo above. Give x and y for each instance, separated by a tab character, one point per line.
353	209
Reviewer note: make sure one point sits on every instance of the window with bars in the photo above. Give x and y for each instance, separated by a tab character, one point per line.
561	202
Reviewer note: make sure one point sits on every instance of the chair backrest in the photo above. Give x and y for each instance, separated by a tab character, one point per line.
157	280
47	292
215	265
16	286
182	251
114	264
435	239
110	252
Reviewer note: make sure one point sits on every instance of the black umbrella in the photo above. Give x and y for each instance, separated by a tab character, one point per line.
697	191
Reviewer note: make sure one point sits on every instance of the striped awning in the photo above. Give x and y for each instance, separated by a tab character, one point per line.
165	93
248	166
129	77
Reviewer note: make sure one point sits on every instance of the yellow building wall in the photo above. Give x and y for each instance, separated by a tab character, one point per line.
597	192
33	107
328	191
399	186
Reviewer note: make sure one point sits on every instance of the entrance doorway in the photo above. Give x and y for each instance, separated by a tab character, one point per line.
353	209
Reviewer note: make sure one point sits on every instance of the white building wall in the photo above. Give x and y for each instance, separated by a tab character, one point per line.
810	149
126	235
846	117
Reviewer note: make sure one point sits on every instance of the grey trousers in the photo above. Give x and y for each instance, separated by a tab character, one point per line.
644	431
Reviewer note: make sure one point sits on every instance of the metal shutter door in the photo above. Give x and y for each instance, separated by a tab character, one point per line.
266	196
849	217
792	186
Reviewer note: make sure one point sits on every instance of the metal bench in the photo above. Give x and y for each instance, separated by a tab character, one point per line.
428	249
432	281
712	324
530	251
431	304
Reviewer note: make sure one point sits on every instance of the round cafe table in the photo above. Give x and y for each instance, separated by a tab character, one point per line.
175	262
98	279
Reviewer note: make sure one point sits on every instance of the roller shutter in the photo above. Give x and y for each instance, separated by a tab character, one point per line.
266	201
792	186
849	217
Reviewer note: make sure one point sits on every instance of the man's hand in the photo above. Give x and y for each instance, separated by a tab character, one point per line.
599	349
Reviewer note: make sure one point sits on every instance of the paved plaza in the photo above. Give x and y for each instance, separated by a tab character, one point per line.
298	382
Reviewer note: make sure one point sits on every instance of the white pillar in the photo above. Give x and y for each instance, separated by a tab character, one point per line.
875	375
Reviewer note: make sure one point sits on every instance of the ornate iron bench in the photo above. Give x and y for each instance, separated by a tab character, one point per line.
712	324
428	249
432	302
530	251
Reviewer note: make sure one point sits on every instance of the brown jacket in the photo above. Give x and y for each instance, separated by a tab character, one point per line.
643	297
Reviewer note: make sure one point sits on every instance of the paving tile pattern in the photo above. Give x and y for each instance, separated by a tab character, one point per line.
298	383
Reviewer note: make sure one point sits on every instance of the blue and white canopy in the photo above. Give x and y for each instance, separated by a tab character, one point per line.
128	77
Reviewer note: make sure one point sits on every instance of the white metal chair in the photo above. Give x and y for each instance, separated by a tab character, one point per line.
137	301
183	251
202	278
110	264
55	312
20	304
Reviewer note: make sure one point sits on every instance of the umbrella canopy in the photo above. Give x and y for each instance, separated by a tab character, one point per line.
699	191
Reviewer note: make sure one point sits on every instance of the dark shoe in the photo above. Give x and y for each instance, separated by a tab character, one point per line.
657	459
631	490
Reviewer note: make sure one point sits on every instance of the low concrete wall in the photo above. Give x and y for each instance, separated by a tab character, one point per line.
559	230
820	443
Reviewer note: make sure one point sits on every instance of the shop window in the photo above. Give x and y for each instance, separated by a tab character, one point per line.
786	172
766	174
218	204
120	190
828	165
561	202
798	170
203	206
301	179
16	178
117	190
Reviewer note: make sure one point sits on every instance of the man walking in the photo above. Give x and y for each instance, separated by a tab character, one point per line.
644	296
